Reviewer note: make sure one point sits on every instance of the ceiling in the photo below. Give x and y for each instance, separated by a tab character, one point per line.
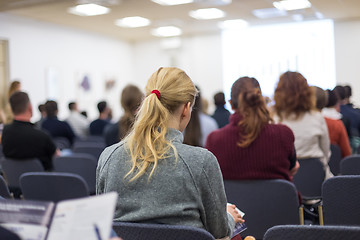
55	11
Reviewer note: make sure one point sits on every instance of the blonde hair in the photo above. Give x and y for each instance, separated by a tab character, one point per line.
146	142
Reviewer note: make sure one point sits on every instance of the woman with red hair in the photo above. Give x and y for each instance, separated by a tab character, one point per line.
295	107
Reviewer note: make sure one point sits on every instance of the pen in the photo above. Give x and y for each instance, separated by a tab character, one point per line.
97	231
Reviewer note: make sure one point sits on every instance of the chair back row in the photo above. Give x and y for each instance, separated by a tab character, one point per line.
266	203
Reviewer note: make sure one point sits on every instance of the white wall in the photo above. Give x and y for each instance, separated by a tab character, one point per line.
347	51
37	49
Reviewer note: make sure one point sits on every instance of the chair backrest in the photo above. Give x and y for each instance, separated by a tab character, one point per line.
302	232
53	187
308	180
335	158
92	148
350	165
13	168
8	235
78	163
4	190
62	142
341	198
141	231
266	203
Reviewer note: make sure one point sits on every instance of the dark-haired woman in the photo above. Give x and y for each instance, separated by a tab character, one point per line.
250	146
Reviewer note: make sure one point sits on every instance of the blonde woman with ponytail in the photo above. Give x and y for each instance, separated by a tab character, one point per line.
251	146
158	178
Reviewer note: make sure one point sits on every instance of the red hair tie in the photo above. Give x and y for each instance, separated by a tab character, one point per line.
157	93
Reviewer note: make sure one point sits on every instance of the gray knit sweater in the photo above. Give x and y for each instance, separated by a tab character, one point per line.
188	191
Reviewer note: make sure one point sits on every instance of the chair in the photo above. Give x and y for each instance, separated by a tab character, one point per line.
335	158
341	198
78	163
142	231
53	187
350	165
266	203
8	235
94	149
62	143
290	232
308	180
4	190
13	168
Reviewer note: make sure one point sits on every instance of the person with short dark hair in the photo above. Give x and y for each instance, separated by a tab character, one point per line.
78	122
97	126
21	140
54	126
348	110
221	114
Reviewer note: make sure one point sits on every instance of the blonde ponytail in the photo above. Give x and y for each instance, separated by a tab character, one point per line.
146	142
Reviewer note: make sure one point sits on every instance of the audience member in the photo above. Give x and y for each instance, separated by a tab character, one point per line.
336	128
295	107
54	126
158	178
42	111
131	98
347	110
15	86
200	125
221	114
251	146
97	126
77	121
21	140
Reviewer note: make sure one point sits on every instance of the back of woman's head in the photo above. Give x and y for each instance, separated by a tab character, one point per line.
166	90
246	98
332	98
131	98
293	95
321	97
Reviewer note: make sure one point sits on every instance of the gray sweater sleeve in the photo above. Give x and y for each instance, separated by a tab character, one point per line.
216	219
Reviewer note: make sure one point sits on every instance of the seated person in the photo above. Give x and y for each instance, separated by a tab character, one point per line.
21	139
295	108
158	178
77	121
97	126
131	98
54	126
251	146
336	128
221	114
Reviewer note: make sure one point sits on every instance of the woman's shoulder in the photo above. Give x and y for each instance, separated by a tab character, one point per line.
115	149
195	155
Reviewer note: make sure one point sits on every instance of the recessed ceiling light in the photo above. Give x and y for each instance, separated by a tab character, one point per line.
90	9
172	2
132	22
207	13
269	13
292	4
233	24
167	31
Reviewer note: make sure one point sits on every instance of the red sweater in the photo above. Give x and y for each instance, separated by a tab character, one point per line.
265	158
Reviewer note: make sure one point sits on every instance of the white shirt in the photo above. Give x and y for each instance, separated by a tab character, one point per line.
208	124
311	137
78	123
